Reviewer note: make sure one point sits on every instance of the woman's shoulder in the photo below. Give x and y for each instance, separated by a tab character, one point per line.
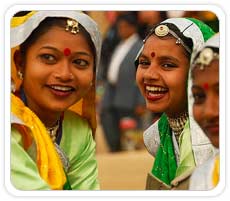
70	117
75	125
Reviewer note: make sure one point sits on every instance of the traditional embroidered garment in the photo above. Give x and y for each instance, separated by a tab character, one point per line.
35	159
206	176
174	162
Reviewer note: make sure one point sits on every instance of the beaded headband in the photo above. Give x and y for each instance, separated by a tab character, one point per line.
163	30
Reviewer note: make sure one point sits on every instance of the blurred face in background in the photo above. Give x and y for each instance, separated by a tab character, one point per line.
149	17
125	29
205	90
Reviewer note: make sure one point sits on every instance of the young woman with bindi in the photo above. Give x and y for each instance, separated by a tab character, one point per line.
54	59
162	71
205	98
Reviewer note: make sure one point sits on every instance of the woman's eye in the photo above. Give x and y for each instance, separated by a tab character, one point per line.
143	62
80	62
168	65
48	58
199	98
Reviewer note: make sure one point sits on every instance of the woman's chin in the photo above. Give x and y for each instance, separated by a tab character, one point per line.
155	108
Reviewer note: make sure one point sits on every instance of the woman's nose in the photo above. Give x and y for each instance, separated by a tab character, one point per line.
63	72
152	72
211	108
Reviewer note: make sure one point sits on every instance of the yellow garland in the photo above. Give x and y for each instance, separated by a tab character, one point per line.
216	171
48	161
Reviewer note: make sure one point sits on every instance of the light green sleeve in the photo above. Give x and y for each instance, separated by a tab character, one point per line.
79	145
24	172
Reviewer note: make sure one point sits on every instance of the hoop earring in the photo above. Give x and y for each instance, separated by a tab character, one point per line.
20	75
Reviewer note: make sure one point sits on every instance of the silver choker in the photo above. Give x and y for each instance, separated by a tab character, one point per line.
177	124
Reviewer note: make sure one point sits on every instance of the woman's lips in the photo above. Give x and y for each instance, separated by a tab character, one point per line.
154	93
154	97
61	91
212	129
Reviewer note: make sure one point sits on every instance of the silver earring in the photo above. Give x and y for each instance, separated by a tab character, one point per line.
13	87
20	75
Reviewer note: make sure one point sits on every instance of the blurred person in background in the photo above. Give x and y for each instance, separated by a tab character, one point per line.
204	95
147	19
121	97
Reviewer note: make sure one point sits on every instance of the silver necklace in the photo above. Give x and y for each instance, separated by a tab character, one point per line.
53	131
177	124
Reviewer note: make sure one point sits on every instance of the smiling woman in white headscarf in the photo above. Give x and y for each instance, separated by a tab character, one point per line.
54	59
175	141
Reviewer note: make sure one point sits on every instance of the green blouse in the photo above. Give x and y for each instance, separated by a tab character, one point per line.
78	144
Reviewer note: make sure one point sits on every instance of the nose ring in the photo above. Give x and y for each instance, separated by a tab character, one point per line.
71	76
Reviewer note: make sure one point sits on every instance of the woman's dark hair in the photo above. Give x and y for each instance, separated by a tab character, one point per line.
45	25
187	41
21	13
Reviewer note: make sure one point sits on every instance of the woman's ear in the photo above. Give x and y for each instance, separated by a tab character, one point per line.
18	60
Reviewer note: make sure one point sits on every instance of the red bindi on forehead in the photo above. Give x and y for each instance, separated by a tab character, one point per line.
153	54
67	51
206	86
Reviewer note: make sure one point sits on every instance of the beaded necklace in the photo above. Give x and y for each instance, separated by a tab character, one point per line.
54	135
177	124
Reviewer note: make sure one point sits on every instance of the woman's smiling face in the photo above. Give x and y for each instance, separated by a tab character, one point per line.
205	90
58	70
162	75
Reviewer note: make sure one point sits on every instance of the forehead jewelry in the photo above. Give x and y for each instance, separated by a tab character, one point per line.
206	86
163	30
67	51
153	54
205	58
72	26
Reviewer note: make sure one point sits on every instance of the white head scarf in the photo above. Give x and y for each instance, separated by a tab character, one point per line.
20	33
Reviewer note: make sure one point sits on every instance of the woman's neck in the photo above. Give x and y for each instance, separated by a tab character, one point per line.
177	123
49	118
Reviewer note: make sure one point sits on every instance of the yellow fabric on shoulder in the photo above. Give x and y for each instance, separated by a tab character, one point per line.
216	171
48	162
